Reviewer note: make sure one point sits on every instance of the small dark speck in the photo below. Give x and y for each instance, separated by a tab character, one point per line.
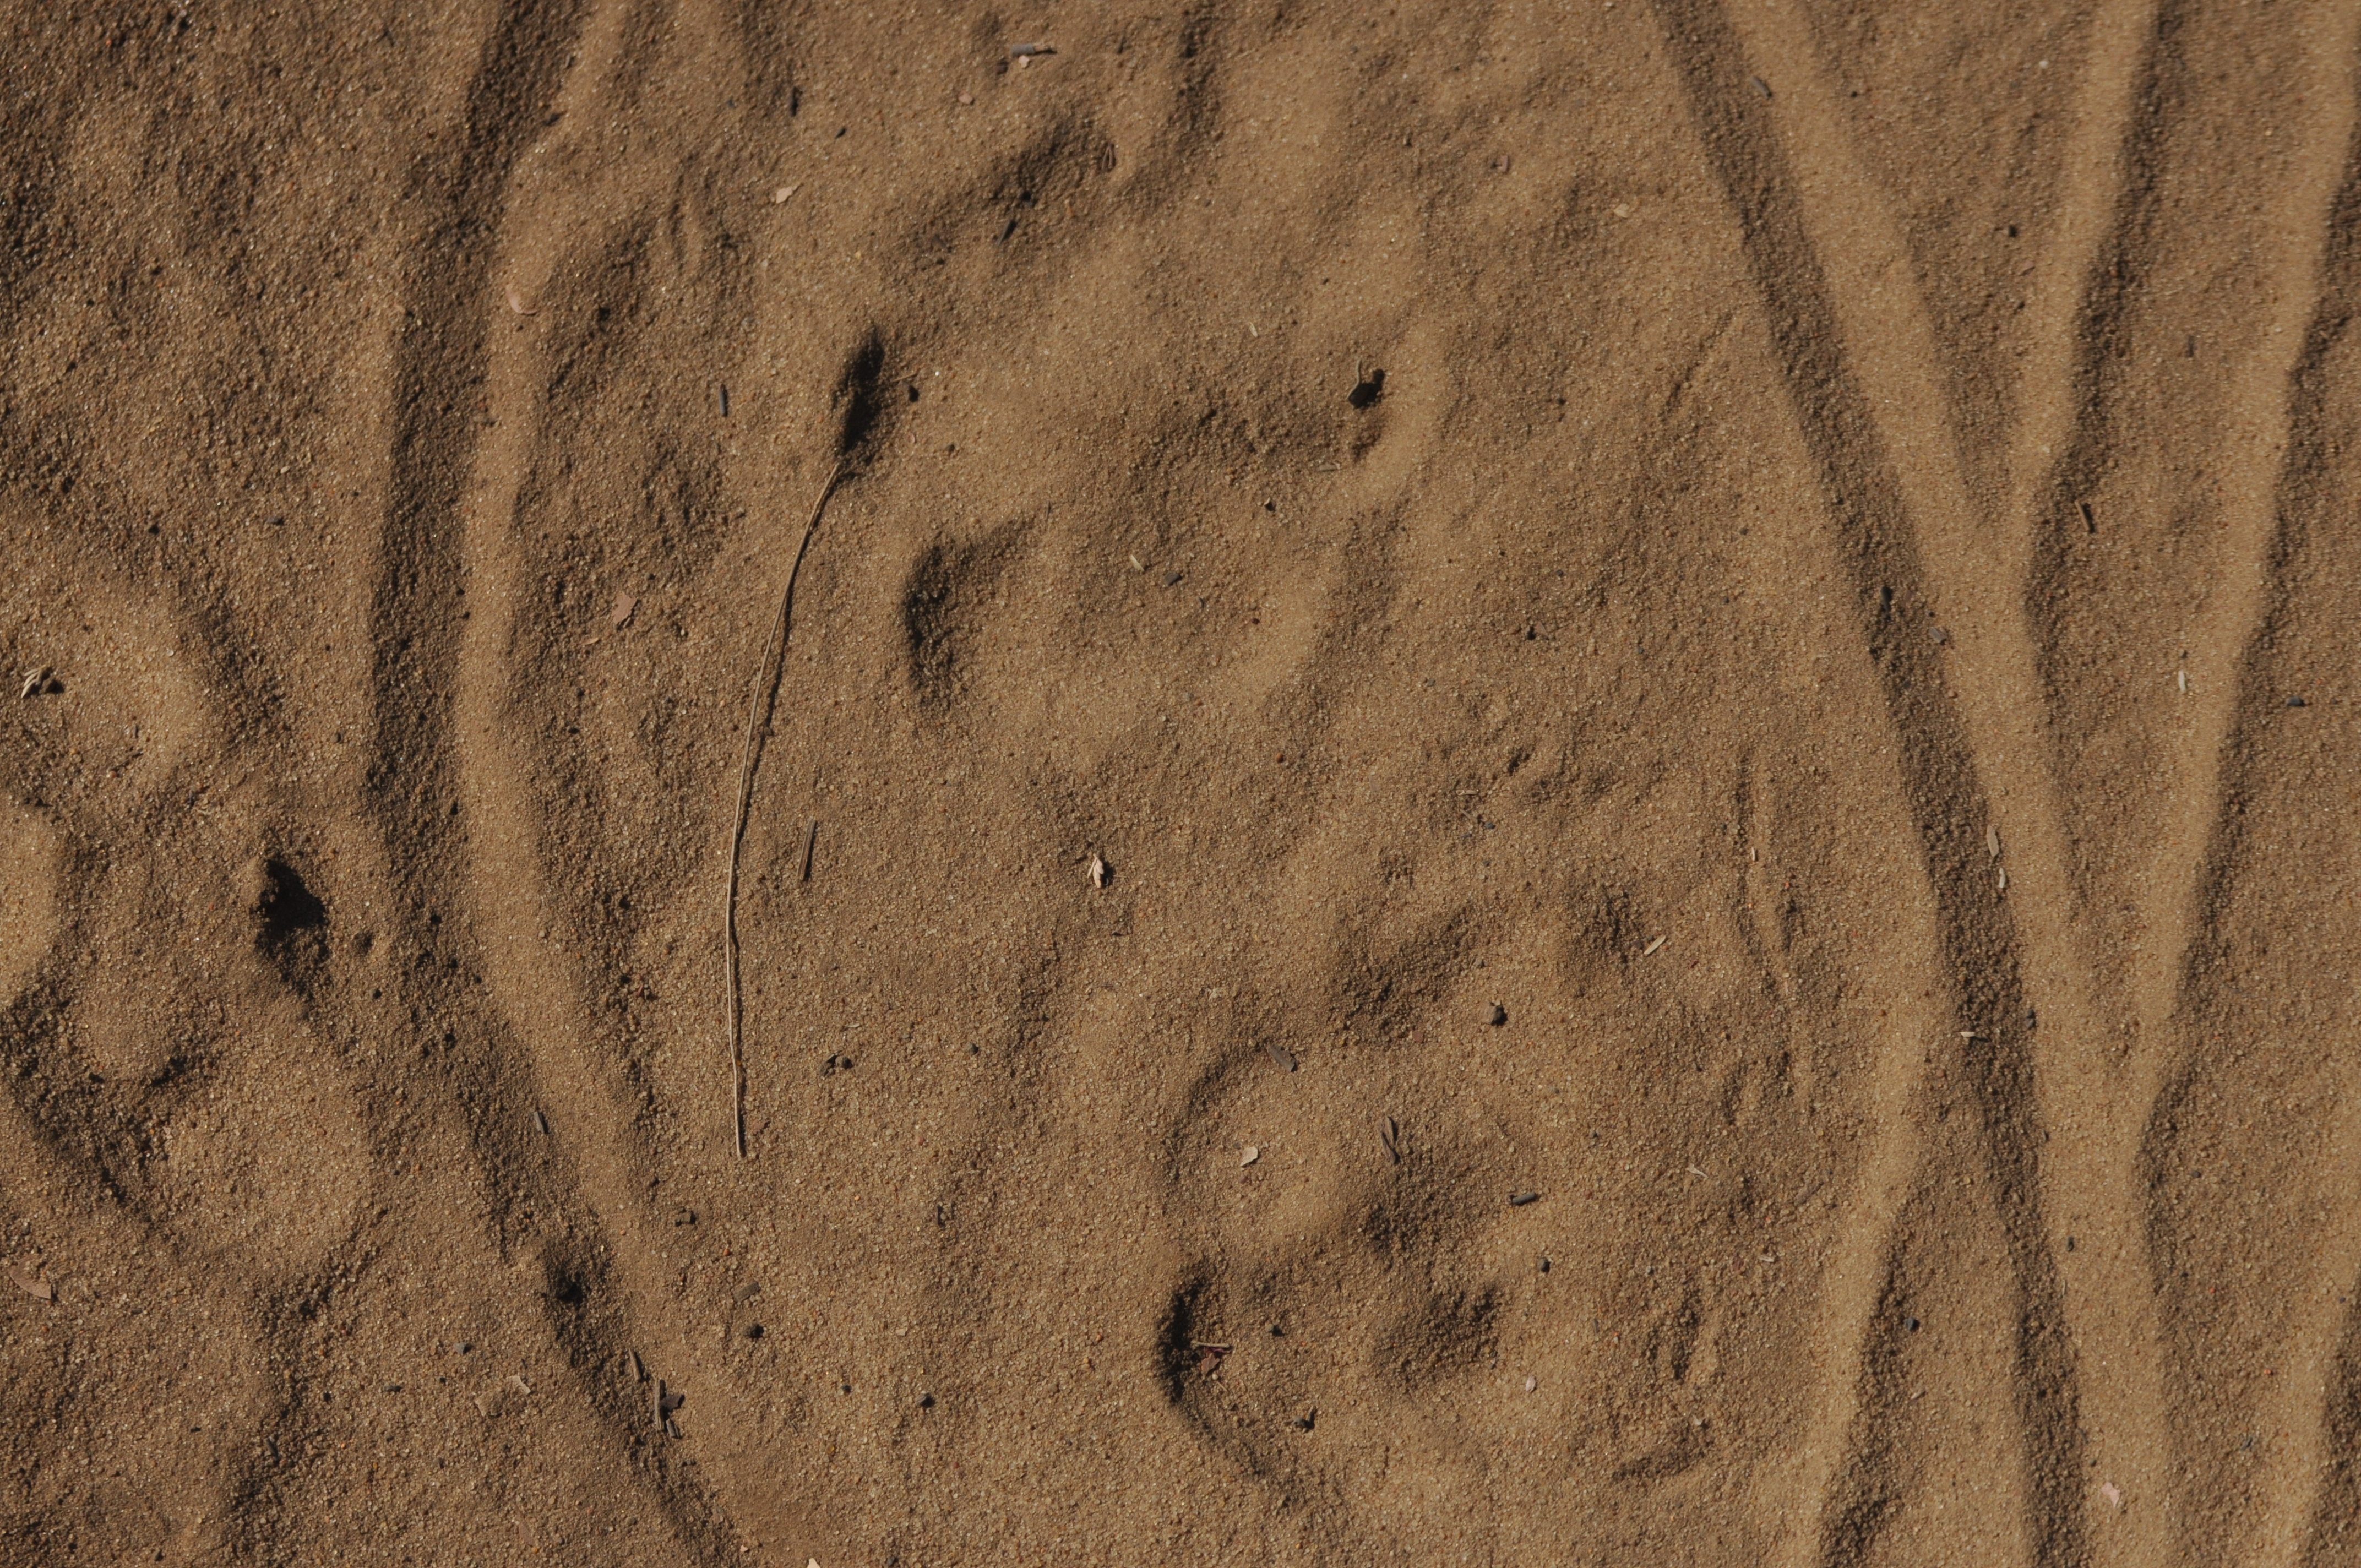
393	1388
754	1331
1368	390
1761	86
2298	702
2069	1244
1519	1200
926	1401
1172	579
1545	1265
842	129
1006	230
1910	1323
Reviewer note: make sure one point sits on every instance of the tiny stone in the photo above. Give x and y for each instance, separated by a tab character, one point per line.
1910	1323
1249	1155
1519	1200
1532	1384
2298	702
926	1401
1172	579
1496	1015
1545	1265
464	1346
754	1331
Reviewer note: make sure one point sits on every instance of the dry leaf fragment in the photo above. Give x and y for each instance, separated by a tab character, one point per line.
1248	1155
1101	872
624	605
1650	950
518	303
39	1290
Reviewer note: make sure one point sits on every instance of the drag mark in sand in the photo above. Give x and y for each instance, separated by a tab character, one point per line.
758	715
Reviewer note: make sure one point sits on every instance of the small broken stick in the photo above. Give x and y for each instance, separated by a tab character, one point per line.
766	689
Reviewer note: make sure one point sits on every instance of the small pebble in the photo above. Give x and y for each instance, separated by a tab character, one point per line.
464	1346
1172	579
1519	1200
1248	1155
1532	1384
926	1401
754	1331
1282	1055
2298	702
1496	1014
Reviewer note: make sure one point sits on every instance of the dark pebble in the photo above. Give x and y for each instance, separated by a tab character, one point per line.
1496	1015
1519	1200
754	1331
926	1401
1172	579
1282	1055
1911	1323
2298	702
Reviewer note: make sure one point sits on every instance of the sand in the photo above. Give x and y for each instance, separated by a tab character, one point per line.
1553	784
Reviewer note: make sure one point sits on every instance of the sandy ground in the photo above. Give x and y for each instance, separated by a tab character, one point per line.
1552	783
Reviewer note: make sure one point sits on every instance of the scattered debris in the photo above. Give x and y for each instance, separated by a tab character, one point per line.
2112	1493
1031	51
668	1401
1303	1422
518	303
1172	579
1991	842
724	392
34	682
1209	1356
1248	1155
1389	1139
1101	872
779	197
1519	1200
836	1064
1137	564
639	1368
754	1331
926	1400
1650	950
1282	1055
1532	1384
812	843
33	1285
522	1386
2298	702
541	1122
1939	635
2184	677
1761	86
967	97
1496	1014
2003	874
1367	389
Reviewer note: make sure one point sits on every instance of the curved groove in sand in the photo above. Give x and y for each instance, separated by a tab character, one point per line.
1841	225
2193	852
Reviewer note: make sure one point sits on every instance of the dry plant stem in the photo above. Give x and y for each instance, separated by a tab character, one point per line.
758	712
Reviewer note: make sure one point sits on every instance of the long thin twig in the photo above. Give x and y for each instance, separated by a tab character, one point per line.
758	712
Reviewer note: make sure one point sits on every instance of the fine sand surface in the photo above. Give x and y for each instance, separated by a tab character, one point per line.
1561	783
